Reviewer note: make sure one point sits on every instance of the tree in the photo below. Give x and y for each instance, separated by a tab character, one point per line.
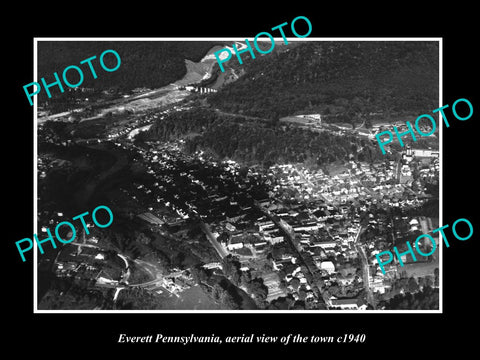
200	275
302	293
295	283
267	266
299	305
282	303
426	299
236	278
412	285
228	301
437	279
258	289
368	123
245	277
230	265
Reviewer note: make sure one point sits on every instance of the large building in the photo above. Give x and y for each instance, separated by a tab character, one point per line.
347	304
328	266
422	152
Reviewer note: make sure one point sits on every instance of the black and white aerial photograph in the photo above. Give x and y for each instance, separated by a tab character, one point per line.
220	179
248	187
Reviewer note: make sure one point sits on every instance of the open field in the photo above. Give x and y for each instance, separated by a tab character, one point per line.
191	299
419	269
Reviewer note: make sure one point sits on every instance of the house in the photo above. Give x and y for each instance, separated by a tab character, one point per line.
93	239
345	304
305	227
276	239
212	265
230	227
265	225
377	284
258	244
326	244
328	266
235	243
346	280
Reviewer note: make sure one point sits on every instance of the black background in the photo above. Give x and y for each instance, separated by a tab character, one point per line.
387	334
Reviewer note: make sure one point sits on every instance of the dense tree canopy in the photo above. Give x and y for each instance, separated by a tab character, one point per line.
427	299
344	80
258	142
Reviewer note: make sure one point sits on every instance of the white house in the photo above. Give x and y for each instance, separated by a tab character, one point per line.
327	266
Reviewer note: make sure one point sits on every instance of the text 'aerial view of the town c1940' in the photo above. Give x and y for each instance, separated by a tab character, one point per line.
259	188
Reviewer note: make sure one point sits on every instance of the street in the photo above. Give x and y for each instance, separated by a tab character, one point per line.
366	270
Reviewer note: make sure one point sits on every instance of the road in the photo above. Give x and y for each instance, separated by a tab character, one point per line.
216	245
366	277
287	234
249	117
366	270
398	170
149	268
154	272
85	245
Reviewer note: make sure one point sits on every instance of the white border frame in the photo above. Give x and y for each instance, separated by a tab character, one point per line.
35	144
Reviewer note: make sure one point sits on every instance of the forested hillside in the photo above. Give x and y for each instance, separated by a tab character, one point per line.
349	79
256	141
